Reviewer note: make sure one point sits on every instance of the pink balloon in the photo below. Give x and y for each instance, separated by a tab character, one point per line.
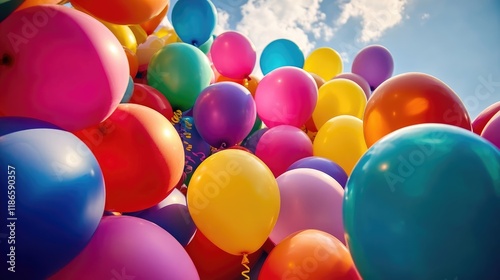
484	117
125	247
281	146
491	131
61	66
287	95
310	199
233	55
358	80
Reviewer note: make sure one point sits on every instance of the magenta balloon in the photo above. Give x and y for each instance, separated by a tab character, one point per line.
375	64
286	96
233	55
125	247
281	146
491	131
310	199
484	117
224	114
358	80
61	66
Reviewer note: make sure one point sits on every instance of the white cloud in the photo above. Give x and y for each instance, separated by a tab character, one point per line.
222	21
299	21
425	16
376	16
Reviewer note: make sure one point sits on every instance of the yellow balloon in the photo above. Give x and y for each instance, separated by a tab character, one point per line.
324	62
168	35
341	140
234	201
139	33
124	34
146	50
339	97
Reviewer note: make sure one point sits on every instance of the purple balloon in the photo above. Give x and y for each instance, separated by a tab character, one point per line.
322	164
358	80
224	114
491	131
251	142
374	63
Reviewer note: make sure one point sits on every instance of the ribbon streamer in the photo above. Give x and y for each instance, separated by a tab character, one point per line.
245	263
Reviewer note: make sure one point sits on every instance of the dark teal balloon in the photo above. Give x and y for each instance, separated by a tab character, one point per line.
279	53
194	21
424	203
7	7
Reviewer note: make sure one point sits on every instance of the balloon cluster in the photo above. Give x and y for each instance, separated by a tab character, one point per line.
133	150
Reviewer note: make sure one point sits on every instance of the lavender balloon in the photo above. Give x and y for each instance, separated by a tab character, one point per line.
322	164
358	80
224	114
375	64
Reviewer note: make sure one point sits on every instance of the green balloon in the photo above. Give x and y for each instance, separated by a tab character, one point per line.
180	72
7	7
424	203
205	48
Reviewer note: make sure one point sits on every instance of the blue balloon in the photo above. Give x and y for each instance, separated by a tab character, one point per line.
52	194
279	53
322	164
424	203
129	91
196	149
172	215
194	21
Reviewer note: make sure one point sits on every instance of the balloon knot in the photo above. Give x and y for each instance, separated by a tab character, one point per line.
6	60
245	263
246	81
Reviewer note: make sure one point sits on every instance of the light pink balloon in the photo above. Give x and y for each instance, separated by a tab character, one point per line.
281	146
61	66
125	247
287	95
310	199
491	131
233	55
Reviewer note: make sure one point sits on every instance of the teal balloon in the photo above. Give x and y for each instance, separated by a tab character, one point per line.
279	53
424	203
194	21
205	48
180	72
7	7
129	91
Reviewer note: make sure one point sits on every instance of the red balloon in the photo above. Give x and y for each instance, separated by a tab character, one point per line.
141	156
408	99
213	263
484	117
152	98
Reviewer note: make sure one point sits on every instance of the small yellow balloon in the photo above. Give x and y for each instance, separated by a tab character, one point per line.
324	62
339	97
139	33
234	201
124	35
341	140
168	35
146	50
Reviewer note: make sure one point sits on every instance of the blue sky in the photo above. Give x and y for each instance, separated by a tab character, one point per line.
458	42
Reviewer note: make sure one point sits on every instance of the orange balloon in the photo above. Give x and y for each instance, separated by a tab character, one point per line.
122	12
251	84
309	254
133	62
150	25
319	81
213	263
409	99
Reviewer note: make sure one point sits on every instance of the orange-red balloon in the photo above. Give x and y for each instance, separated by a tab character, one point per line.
121	11
213	263
408	99
151	25
251	84
309	254
141	157
152	98
133	62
